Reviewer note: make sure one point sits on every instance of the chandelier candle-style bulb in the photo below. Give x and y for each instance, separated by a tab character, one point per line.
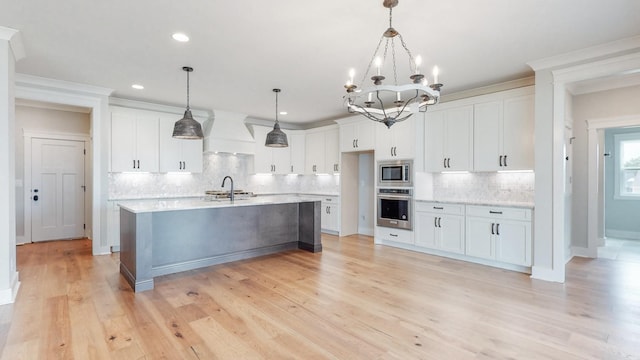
436	72
378	65
418	63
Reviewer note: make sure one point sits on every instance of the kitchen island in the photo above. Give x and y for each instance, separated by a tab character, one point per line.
160	237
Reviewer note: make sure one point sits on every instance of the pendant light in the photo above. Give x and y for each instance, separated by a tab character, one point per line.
276	137
187	127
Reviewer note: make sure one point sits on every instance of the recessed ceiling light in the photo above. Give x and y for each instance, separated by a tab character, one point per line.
283	113
180	37
137	86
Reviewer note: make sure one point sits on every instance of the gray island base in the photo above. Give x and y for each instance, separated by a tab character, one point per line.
159	238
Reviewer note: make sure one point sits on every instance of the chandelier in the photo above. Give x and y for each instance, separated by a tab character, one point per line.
390	104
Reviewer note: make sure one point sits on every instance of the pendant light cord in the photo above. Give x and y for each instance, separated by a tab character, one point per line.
187	90
276	106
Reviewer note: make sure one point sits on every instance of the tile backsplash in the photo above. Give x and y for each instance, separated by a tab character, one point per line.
484	187
215	168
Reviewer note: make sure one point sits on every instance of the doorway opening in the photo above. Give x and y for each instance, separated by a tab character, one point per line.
357	193
53	159
621	177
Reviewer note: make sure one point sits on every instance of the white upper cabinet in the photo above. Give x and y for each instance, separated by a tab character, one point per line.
134	142
322	151
270	160
332	150
448	138
397	142
178	155
297	146
357	135
503	134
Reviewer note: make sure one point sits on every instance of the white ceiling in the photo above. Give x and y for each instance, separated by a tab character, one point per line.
242	49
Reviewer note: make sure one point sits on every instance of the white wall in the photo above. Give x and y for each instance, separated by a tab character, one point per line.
600	105
41	120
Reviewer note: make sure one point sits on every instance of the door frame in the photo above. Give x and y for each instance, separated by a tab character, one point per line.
29	135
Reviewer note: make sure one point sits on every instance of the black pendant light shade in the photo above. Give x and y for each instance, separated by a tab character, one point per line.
276	137
187	127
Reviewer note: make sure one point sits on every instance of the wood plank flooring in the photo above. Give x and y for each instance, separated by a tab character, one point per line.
354	300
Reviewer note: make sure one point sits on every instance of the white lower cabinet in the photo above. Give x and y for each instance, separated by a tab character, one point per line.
497	236
395	235
330	214
500	234
440	226
113	225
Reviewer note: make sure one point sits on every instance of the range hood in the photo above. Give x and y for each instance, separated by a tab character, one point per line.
226	132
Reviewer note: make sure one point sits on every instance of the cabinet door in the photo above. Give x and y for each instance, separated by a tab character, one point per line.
263	157
147	149
281	159
426	228
403	139
348	136
434	148
518	133
458	138
192	155
314	153
330	216
123	142
296	143
480	238
170	147
513	242
332	151
487	136
384	142
452	235
366	135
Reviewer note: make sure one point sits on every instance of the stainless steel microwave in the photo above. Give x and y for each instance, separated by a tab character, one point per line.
395	173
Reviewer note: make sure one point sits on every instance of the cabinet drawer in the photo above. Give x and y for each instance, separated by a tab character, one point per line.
396	235
436	207
497	212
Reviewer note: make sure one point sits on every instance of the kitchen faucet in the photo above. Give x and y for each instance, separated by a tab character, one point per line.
230	192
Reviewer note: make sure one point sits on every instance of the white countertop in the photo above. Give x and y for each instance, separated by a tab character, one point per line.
154	205
514	204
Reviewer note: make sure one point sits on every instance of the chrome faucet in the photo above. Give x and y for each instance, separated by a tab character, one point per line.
230	192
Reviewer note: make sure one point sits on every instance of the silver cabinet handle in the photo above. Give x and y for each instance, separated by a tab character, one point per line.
444	163
497	229
495	212
438	207
134	164
439	222
448	162
357	143
435	221
493	231
394	235
500	161
505	160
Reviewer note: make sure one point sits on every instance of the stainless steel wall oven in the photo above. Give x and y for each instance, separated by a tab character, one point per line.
395	208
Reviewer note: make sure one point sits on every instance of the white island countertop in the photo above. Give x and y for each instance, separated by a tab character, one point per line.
154	205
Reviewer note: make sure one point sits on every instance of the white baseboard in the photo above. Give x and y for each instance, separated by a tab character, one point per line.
20	240
584	252
547	274
8	296
365	231
621	234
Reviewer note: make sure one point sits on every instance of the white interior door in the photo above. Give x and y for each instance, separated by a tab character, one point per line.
57	198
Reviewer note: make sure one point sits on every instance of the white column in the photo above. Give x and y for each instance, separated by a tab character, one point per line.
10	51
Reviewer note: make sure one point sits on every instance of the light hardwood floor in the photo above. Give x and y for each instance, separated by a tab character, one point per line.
354	300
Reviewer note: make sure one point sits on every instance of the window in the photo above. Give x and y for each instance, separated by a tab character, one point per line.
628	165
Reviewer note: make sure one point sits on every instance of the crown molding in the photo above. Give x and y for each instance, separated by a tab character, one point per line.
593	52
31	81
